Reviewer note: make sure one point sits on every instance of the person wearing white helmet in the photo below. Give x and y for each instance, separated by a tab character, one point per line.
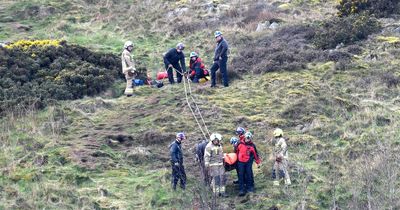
178	171
247	153
172	59
220	59
213	160
197	69
128	67
281	158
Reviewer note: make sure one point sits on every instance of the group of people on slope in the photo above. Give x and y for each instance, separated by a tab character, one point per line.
210	157
175	59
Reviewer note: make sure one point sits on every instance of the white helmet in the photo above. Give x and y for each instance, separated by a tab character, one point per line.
180	46
215	136
127	44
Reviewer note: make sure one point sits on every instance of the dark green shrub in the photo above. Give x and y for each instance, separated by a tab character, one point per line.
379	8
346	30
37	75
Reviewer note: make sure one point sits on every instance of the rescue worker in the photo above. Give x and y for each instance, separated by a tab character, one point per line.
240	133
128	67
172	59
234	142
220	59
281	158
178	171
199	153
197	69
246	152
213	160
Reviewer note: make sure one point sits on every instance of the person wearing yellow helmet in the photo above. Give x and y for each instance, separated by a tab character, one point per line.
128	67
281	158
213	160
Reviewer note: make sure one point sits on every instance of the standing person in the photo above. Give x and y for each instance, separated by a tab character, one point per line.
213	159
128	67
220	59
197	69
178	171
234	142
199	152
281	158
245	152
240	133
172	59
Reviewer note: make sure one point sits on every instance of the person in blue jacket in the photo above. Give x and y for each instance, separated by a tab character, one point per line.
220	59
178	171
172	59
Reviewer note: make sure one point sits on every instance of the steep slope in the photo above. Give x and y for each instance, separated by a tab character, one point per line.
341	119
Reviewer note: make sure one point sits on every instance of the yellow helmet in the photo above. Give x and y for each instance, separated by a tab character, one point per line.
278	132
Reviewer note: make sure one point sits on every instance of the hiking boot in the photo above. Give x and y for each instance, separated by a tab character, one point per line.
130	95
276	183
236	182
287	182
242	193
223	194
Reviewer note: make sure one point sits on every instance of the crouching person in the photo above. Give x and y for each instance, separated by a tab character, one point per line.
199	156
213	160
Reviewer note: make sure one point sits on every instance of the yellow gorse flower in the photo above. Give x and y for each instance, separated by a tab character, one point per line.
27	44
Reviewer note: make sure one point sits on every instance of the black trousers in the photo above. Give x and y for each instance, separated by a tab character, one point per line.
170	72
178	174
221	65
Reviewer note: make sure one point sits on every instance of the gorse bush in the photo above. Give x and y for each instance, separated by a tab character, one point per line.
37	72
346	30
379	8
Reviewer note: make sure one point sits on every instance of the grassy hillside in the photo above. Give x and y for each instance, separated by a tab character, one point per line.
341	116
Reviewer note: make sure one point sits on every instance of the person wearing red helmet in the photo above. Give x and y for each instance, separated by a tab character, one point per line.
178	171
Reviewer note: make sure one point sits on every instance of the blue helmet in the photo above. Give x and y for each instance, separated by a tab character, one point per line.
180	136
234	140
240	131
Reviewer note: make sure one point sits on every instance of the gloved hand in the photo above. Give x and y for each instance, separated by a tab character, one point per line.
197	158
133	71
170	66
279	159
176	164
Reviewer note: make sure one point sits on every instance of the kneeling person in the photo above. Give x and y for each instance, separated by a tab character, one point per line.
197	68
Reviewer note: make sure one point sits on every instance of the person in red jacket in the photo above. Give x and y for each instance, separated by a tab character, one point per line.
197	68
246	152
240	134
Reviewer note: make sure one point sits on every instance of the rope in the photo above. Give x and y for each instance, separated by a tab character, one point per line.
188	92
197	107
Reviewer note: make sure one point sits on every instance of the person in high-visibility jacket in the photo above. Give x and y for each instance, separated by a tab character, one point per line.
128	67
213	160
281	158
246	152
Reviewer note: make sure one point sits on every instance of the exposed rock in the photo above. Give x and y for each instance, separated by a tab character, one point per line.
273	26
262	26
